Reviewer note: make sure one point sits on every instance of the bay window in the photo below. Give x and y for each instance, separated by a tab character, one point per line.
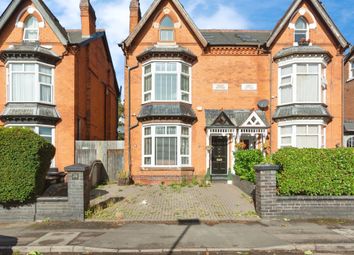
30	82
166	81
302	135
166	145
302	83
47	132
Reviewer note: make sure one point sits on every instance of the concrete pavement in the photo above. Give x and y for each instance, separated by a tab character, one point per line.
189	237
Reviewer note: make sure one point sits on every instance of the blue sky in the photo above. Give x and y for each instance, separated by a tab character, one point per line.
113	15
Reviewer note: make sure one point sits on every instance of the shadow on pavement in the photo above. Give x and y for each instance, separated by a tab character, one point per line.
7	243
188	223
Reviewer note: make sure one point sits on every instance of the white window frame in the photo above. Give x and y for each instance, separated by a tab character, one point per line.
296	30
37	83
351	69
350	141
36	130
153	135
293	124
322	80
25	29
179	80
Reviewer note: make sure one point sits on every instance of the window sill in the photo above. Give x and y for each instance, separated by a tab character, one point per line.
350	79
153	168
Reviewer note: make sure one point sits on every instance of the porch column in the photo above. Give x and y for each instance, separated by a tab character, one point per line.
207	152
234	135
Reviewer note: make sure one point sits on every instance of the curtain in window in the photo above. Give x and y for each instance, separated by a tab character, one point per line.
166	87
307	88
23	87
286	94
166	151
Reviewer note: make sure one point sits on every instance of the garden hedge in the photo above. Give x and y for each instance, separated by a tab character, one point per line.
320	172
25	158
245	160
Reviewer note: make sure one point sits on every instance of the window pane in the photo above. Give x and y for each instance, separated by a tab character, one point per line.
286	94
184	146
147	97
350	142
45	79
286	70
31	34
147	69
286	80
147	131
166	35
171	66
185	97
185	83
160	130
147	83
307	88
166	151
185	131
166	87
313	130
302	68
307	141
166	22
147	161
46	93
313	68
23	87
45	131
160	66
301	24
29	67
185	69
31	22
17	67
301	130
45	69
147	146
171	130
286	140
299	36
286	130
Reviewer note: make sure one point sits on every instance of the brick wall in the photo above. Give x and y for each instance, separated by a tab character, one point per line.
57	208
269	205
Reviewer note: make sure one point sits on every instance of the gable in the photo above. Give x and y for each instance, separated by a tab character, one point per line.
322	13
153	9
253	121
44	11
223	121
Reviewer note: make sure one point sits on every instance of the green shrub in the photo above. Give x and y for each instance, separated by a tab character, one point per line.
245	160
320	172
25	158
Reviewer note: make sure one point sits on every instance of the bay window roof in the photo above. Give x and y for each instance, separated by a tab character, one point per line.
302	51
175	52
29	51
302	111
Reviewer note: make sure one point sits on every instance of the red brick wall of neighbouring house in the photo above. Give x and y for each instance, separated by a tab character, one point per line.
81	80
236	66
348	94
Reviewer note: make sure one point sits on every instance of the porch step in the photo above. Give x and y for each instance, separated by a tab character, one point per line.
219	178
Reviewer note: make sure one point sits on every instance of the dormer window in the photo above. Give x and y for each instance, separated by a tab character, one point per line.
301	31
31	29
166	30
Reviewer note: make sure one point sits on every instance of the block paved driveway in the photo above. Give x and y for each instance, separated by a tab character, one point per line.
217	203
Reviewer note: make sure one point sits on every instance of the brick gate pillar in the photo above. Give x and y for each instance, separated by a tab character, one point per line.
266	190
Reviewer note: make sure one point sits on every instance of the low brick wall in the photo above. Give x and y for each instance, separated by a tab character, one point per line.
67	208
269	205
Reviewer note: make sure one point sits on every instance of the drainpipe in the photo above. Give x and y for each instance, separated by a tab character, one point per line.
271	100
129	69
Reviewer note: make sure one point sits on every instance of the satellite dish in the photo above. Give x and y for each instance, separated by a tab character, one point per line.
263	104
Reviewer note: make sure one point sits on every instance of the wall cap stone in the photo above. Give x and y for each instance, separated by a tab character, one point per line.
266	167
77	168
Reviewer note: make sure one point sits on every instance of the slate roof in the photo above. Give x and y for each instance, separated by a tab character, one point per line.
167	110
237	117
235	37
30	111
178	51
286	52
301	110
30	47
348	125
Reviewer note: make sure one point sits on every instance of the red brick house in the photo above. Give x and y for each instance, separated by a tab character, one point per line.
60	83
349	99
194	96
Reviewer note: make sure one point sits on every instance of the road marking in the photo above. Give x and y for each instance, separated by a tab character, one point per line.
55	238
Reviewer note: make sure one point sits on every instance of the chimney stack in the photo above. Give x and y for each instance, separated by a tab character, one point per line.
135	14
88	18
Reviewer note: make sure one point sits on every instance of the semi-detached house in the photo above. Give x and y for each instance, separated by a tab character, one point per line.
194	96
